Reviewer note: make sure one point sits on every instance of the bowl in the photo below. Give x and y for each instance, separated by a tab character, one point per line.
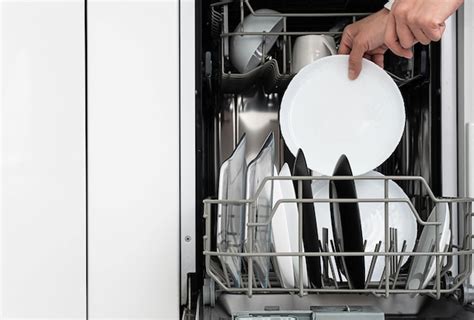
248	51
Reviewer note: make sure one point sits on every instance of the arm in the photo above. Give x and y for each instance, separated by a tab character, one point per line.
415	21
408	22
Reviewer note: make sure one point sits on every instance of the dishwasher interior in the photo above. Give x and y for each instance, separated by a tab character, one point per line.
231	104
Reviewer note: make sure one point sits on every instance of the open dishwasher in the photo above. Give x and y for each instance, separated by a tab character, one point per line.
231	104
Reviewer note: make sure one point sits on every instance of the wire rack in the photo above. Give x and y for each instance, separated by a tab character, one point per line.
394	279
273	73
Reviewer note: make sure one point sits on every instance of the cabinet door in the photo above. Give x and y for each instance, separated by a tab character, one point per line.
133	159
42	149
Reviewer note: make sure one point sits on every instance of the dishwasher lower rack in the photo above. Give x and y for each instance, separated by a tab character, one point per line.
453	263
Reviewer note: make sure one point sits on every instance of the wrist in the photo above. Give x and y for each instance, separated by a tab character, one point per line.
383	13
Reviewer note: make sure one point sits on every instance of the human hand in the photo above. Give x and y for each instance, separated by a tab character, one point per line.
365	38
413	21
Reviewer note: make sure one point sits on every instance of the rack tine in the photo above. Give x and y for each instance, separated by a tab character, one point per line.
441	263
333	272
400	259
391	246
323	276
382	279
226	273
395	249
221	272
449	260
395	233
364	245
372	265
399	265
349	281
324	246
335	259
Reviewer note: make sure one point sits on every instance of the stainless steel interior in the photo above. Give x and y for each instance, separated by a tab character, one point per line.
249	103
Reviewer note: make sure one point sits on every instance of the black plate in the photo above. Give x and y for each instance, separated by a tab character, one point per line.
346	223
310	229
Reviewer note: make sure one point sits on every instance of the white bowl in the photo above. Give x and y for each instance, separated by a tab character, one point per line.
372	217
246	51
327	115
310	48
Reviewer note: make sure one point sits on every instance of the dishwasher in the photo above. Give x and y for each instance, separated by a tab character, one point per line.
230	104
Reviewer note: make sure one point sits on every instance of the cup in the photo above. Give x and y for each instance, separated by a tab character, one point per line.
310	48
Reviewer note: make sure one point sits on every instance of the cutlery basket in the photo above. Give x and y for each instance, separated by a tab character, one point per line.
453	263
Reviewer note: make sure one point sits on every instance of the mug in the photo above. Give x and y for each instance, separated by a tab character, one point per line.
311	48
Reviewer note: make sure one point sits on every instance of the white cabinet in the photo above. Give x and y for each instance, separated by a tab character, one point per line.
42	152
133	159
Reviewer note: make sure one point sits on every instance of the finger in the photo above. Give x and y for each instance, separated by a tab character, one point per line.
346	43
434	33
391	39
420	36
378	59
355	61
344	48
405	36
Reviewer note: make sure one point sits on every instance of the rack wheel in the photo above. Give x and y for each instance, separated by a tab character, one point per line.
209	292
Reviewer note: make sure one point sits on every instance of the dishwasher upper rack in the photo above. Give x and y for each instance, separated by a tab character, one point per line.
273	75
442	283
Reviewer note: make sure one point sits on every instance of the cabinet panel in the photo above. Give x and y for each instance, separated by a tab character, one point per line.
133	159
42	147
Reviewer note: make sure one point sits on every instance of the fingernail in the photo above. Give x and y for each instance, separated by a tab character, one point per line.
352	74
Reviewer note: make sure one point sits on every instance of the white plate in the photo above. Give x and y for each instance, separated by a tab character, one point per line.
372	217
327	115
281	238
232	178
291	211
423	268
